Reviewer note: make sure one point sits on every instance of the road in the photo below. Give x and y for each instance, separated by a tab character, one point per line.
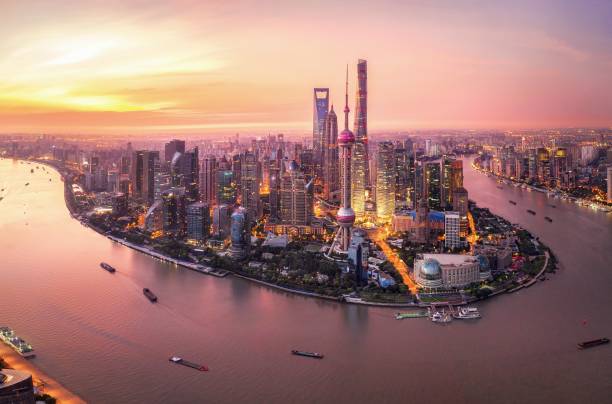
378	235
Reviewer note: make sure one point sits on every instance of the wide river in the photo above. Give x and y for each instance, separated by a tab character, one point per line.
98	335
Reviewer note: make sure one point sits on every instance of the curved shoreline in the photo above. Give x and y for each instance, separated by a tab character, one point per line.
340	300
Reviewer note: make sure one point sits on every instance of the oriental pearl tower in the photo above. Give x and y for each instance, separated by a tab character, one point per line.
346	214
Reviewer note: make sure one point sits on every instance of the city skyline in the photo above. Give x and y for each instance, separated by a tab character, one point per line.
190	68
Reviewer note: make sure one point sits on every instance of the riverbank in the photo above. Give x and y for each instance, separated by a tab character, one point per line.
222	273
42	381
549	193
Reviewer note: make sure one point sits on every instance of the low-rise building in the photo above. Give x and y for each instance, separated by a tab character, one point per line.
446	271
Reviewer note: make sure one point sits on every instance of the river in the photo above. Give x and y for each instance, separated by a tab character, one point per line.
98	335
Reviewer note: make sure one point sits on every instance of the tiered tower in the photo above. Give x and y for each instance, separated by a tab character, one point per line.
346	139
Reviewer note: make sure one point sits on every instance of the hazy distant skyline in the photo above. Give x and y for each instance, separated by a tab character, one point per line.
249	66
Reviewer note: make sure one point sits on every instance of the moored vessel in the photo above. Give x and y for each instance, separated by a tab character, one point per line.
18	344
466	313
441	317
411	314
531	211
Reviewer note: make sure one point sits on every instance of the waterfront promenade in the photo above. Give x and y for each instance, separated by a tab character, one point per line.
43	381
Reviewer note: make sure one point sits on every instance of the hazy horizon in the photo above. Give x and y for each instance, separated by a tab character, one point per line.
183	67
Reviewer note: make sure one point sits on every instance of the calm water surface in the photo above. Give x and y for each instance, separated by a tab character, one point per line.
96	333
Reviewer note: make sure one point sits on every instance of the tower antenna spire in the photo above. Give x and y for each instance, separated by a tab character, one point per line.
346	107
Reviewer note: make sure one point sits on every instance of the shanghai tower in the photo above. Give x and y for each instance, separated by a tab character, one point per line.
360	161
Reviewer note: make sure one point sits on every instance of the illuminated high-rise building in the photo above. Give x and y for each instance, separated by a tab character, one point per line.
320	109
360	161
385	181
295	197
432	179
346	214
145	165
208	178
331	177
250	178
198	221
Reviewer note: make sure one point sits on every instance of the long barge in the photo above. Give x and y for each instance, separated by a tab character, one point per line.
150	295
181	361
593	343
315	355
107	267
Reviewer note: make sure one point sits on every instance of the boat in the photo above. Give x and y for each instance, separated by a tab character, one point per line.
107	267
593	343
315	355
548	218
18	344
31	171
531	211
443	317
512	202
411	314
27	183
500	187
150	295
553	206
181	361
467	313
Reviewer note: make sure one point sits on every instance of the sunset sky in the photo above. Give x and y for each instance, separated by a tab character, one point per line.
208	66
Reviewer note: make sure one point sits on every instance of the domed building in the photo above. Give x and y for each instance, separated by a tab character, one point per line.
428	273
447	271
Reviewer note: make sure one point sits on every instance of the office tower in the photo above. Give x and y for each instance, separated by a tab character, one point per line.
532	164
452	225
120	204
295	197
198	221
446	179
460	201
428	151
173	147
221	221
191	174
331	174
422	221
208	178
385	181
346	214
237	171
249	189
543	165
432	184
162	182
174	211
402	177
320	108
360	161
225	187
275	189
307	164
240	234
609	184
154	218
145	165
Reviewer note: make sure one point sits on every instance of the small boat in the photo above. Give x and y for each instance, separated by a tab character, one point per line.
548	218
307	354
32	171
107	267
181	361
27	183
443	317
553	206
150	295
512	202
466	313
531	211
593	343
